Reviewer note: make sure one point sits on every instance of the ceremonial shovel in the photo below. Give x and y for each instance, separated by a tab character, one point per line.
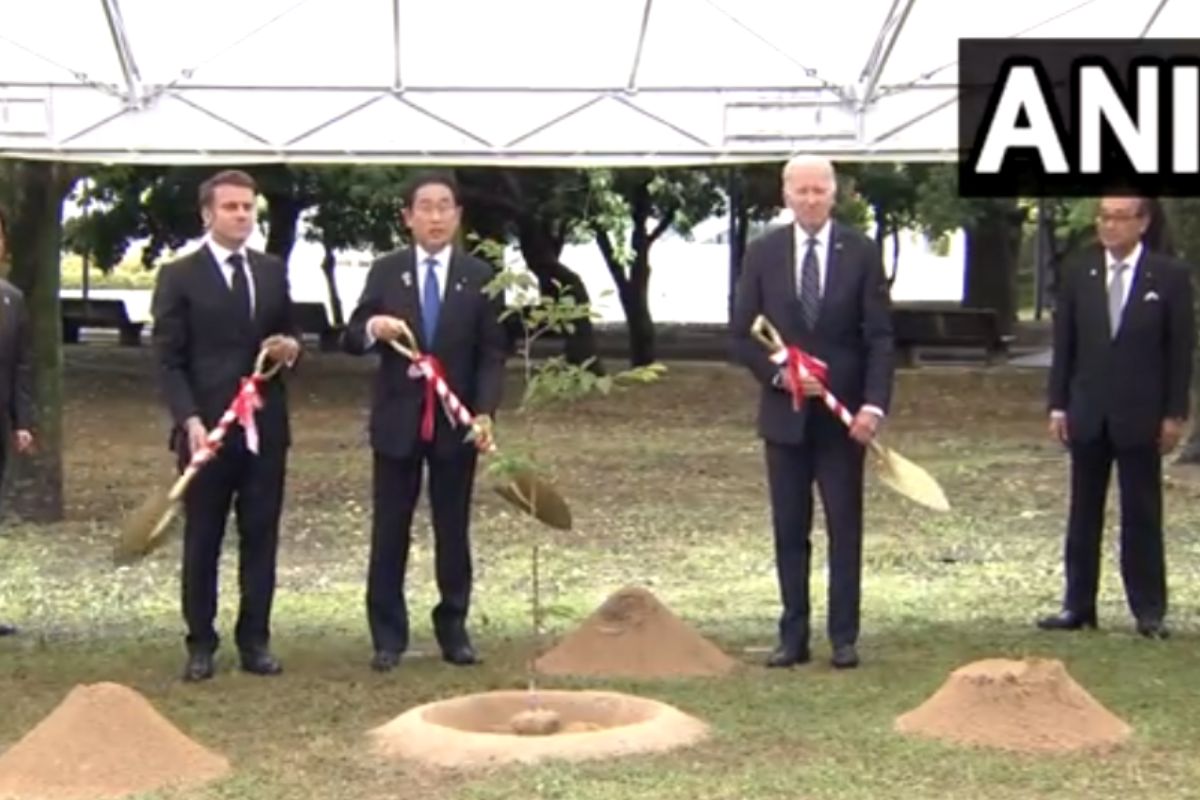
896	471
143	530
525	490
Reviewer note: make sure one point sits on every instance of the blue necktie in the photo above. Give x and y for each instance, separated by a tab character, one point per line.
431	301
810	286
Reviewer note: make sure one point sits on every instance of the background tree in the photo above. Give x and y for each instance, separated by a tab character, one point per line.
32	192
644	204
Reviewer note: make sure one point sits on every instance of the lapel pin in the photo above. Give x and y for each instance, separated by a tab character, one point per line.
1092	273
407	278
458	286
1151	296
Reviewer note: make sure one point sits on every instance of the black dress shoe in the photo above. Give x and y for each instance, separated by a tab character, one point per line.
788	656
260	662
845	656
7	630
461	655
385	661
199	667
1068	621
1152	629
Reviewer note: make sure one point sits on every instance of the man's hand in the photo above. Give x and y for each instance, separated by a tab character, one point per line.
385	328
484	437
864	427
1172	432
1059	431
282	349
23	440
197	435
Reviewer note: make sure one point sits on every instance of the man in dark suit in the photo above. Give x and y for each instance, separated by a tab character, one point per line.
16	372
822	285
1124	332
438	290
214	310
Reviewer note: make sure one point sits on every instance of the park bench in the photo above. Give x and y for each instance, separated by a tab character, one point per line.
916	327
78	313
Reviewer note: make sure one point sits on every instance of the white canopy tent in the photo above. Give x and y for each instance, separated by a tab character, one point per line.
530	82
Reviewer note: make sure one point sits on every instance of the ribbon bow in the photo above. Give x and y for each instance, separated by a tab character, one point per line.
435	375
800	365
248	401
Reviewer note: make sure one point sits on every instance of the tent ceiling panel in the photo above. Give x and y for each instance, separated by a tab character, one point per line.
537	82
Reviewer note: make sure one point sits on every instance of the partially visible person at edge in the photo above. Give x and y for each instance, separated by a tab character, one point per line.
16	372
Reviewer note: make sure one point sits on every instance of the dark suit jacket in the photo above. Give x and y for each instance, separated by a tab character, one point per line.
204	349
1141	377
469	342
853	333
16	367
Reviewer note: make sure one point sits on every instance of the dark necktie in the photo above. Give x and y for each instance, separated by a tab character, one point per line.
240	286
810	285
431	301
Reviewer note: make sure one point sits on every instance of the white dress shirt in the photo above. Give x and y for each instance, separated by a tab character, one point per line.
822	251
222	254
442	270
823	238
1132	261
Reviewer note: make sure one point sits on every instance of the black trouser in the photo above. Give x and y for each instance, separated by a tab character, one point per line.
835	461
397	487
253	485
1143	567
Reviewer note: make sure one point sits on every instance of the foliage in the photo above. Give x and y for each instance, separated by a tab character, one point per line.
554	381
357	207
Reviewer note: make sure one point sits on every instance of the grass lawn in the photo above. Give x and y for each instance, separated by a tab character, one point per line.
668	489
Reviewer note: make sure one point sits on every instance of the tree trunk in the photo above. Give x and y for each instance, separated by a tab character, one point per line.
283	210
992	244
636	302
1190	454
328	264
633	289
36	191
541	252
1182	229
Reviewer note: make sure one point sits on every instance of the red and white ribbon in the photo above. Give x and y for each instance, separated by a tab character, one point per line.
800	365
247	401
437	392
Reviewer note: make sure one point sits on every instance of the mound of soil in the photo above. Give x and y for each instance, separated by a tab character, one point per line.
1029	706
104	741
633	635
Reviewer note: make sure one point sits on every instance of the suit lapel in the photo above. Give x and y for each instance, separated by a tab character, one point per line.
213	279
410	295
835	280
1143	281
453	294
259	279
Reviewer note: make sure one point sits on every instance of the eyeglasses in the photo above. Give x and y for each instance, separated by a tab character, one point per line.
1106	219
432	209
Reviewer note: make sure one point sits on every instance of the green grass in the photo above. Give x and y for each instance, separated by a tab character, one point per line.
667	487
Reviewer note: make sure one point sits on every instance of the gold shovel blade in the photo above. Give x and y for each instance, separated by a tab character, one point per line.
536	497
909	479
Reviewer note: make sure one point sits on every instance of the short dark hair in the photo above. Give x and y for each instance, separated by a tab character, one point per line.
430	178
228	177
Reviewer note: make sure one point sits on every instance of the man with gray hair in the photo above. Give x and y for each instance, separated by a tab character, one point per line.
822	285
